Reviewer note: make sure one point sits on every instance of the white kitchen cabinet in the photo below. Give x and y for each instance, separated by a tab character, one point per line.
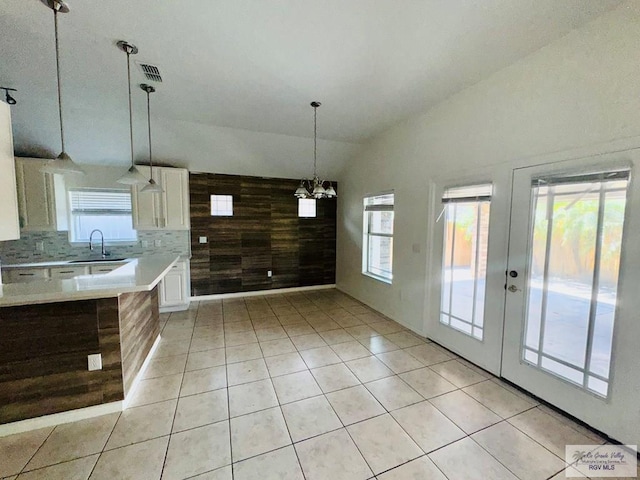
61	273
9	223
174	288
36	196
22	275
102	269
165	211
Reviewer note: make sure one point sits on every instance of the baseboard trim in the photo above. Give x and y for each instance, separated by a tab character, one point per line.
174	308
79	413
257	293
59	418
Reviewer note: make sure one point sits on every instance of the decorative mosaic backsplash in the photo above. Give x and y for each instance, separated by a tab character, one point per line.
57	247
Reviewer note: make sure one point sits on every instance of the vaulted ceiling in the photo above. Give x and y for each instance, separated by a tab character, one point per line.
255	65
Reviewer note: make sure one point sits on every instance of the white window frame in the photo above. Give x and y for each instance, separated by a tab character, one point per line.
307	208
369	206
214	204
73	235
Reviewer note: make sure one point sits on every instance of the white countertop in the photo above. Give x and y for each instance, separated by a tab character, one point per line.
136	275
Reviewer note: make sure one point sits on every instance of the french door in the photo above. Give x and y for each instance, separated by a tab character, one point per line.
571	292
465	313
537	280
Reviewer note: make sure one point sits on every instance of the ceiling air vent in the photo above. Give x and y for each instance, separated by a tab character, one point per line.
151	72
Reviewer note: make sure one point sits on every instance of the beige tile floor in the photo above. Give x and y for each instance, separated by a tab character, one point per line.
311	386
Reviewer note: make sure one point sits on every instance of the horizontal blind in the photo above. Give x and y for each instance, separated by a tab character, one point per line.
100	202
379	203
470	193
585	178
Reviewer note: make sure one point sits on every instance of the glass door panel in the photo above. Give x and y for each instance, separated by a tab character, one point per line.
575	244
571	311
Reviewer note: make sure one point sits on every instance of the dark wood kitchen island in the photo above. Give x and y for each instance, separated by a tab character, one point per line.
49	328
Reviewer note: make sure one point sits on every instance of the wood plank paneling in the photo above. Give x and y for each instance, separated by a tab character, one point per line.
43	358
264	234
139	328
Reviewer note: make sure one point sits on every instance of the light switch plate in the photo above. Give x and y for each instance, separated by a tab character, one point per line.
269	273
203	240
40	246
95	362
158	243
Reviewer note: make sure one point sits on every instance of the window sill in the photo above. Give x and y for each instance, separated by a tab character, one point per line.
388	281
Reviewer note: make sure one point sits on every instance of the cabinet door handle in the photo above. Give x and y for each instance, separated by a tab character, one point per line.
26	274
66	271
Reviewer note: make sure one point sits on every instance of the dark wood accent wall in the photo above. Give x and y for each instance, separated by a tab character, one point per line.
264	233
139	328
44	348
43	357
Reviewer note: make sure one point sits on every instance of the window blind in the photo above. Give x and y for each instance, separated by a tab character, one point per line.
470	193
379	203
100	202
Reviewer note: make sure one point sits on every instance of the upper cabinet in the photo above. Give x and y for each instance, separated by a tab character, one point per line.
168	210
36	196
9	224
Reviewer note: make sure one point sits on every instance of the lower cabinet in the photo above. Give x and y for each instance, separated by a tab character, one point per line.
174	288
67	272
24	275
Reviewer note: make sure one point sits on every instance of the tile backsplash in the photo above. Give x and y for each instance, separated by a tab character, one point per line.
57	247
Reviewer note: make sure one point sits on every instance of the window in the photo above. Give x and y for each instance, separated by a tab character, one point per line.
464	257
573	266
106	210
222	205
307	207
377	243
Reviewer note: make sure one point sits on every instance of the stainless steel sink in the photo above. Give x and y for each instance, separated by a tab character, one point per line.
99	260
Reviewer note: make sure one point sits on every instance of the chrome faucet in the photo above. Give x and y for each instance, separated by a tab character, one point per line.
104	252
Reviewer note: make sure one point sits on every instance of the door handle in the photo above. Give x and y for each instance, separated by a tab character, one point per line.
513	288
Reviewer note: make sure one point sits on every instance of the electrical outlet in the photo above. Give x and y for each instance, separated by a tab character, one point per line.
203	239
40	246
158	243
144	243
269	273
95	362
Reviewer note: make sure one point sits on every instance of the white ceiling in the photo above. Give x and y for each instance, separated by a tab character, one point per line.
256	64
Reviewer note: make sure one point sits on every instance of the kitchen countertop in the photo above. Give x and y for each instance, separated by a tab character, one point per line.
64	263
136	275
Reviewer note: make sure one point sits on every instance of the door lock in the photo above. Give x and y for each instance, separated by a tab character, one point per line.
513	288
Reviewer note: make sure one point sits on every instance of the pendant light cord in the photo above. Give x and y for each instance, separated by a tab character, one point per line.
315	139
55	23
149	125
130	108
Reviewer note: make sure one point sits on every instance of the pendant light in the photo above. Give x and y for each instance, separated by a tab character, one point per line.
133	175
152	186
315	188
62	164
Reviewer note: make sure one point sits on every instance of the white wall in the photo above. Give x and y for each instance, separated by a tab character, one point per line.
582	90
577	96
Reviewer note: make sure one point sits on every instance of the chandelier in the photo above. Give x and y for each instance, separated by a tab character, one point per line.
315	188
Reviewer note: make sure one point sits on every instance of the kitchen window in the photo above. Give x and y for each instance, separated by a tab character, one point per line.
377	250
106	210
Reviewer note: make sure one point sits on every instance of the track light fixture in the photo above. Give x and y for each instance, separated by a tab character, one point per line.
7	96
